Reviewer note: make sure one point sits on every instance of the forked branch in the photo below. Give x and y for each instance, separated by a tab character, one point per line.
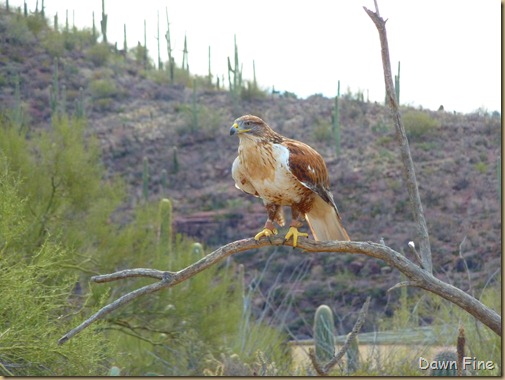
414	273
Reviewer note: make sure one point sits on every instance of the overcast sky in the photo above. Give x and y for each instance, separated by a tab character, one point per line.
450	50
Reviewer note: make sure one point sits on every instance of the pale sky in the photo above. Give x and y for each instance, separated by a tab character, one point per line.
450	50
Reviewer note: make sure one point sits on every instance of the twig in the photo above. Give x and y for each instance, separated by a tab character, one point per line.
395	259
408	165
402	284
412	247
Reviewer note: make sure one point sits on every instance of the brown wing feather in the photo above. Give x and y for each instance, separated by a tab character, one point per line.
310	169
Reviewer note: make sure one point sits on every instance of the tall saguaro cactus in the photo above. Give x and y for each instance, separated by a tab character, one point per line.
125	45
185	64
169	50
324	337
103	23
235	86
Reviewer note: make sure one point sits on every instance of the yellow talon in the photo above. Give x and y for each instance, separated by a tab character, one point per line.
293	232
266	232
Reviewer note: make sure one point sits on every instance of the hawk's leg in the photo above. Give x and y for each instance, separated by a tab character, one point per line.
269	229
293	227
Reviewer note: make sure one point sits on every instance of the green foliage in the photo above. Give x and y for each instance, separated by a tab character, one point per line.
16	30
99	54
182	326
324	336
322	130
419	124
252	91
54	43
61	174
103	88
38	300
213	119
36	24
230	364
445	363
481	167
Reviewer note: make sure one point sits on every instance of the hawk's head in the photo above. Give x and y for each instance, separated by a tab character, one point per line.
251	125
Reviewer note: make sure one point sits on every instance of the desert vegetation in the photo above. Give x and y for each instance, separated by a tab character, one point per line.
110	161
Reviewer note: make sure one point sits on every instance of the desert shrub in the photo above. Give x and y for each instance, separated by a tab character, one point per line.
103	88
38	304
419	124
53	43
251	91
99	54
322	131
16	30
36	23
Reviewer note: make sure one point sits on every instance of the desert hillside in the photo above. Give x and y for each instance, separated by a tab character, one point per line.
180	130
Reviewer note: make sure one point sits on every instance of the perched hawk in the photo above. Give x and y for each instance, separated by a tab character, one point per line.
285	172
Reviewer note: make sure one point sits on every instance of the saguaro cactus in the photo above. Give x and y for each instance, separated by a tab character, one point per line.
446	364
185	63
103	23
169	50
197	250
324	337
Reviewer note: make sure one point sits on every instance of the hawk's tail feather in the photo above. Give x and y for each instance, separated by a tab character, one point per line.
325	223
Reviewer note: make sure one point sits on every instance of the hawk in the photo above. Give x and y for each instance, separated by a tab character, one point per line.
285	172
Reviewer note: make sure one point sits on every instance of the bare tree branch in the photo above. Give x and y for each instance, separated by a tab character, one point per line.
408	165
414	273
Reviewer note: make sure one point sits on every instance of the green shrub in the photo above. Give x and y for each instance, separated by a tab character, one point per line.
419	124
16	30
103	88
38	303
322	131
99	54
36	23
53	43
251	91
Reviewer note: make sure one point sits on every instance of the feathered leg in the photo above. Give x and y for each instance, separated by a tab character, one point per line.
274	213
293	227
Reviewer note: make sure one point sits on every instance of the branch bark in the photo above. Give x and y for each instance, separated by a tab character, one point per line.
414	273
408	165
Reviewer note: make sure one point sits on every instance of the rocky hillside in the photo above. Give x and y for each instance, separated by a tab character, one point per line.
184	135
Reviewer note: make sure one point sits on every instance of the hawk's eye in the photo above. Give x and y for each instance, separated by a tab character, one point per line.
247	123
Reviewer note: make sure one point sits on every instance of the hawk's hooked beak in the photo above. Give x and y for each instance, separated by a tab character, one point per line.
236	128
